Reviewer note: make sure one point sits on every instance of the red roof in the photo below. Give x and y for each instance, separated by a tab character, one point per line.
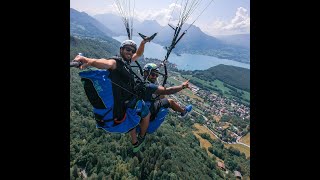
220	164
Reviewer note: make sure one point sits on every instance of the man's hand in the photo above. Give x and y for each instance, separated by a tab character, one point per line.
185	84
146	38
144	41
85	61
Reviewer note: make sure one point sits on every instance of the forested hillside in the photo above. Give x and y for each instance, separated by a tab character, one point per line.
93	48
232	75
172	152
81	24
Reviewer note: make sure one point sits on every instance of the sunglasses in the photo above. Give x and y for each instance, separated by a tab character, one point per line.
129	49
154	74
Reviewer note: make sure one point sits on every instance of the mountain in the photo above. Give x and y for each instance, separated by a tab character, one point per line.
152	27
82	24
114	23
242	40
195	41
93	48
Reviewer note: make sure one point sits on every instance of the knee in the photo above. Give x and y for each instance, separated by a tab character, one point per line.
171	102
146	118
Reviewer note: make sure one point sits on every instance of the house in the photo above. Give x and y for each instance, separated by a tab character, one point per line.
221	166
237	174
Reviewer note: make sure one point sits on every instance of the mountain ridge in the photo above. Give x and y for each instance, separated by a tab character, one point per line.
82	24
236	39
194	42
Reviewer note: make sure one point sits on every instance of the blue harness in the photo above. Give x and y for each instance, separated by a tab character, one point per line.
157	121
98	88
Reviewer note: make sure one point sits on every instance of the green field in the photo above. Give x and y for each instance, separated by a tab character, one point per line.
177	83
187	92
246	95
205	83
241	148
219	85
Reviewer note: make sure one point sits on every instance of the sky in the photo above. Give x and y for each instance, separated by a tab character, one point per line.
221	17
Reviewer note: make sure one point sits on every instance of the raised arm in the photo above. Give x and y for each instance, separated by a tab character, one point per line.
140	50
172	90
98	63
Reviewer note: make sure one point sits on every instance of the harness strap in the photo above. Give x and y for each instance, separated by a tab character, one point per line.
116	121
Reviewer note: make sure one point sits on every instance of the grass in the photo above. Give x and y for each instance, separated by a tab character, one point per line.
205	143
174	81
205	83
246	95
246	139
219	85
202	129
186	92
241	148
217	118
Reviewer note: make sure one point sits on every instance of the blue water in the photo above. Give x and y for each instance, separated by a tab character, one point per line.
184	61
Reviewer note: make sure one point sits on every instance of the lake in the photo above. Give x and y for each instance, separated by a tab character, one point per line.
184	61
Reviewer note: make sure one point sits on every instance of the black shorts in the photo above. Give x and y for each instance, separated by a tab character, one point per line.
155	107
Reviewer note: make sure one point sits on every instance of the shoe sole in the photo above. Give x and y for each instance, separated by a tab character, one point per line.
136	149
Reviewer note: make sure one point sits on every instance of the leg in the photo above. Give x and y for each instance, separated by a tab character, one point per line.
145	119
144	124
137	142
133	135
175	106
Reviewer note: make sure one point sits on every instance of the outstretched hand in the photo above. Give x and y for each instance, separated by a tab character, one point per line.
186	84
145	40
83	60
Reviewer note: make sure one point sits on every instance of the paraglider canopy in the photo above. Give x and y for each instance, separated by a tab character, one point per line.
126	11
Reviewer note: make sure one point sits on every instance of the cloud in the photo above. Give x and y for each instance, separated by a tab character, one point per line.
239	24
162	16
102	10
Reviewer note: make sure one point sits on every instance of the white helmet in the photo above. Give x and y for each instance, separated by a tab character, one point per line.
129	43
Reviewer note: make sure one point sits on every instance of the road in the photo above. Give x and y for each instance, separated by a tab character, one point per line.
238	138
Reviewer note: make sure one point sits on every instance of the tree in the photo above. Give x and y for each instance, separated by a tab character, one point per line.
75	171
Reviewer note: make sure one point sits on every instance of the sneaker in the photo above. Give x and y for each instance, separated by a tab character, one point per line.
139	143
188	108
